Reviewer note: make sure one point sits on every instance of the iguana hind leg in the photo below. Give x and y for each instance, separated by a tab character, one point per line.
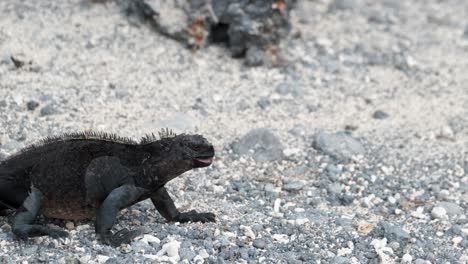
25	216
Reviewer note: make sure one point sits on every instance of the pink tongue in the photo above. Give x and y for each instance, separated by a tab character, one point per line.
207	160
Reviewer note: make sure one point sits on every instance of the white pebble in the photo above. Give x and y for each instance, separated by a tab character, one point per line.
276	205
38	240
291	152
380	246
217	98
171	249
456	240
282	238
407	258
301	221
247	231
446	132
150	239
149	256
198	259
387	170
439	212
70	225
102	258
82	227
85	259
202	253
419	213
344	251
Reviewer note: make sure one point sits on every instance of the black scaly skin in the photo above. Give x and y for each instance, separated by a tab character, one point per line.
95	175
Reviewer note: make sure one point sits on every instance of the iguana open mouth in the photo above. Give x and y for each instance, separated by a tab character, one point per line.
203	161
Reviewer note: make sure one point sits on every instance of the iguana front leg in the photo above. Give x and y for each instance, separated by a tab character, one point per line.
165	206
118	199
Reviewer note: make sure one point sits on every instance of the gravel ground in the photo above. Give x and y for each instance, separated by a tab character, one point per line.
353	151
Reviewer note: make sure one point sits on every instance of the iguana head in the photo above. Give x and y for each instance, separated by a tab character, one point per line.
173	155
193	150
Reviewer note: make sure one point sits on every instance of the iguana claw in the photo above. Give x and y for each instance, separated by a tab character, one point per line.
123	236
194	216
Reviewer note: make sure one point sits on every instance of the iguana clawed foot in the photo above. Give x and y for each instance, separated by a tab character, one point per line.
123	236
57	233
25	231
194	216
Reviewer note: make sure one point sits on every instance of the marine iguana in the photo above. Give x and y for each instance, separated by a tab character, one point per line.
94	175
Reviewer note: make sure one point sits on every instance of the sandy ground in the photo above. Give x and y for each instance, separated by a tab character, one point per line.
93	69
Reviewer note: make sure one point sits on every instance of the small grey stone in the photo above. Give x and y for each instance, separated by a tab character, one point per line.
140	246
5	260
334	188
4	236
186	253
298	130
263	103
379	114
50	109
455	230
266	146
419	261
465	33
18	60
222	241
31	250
292	185
32	105
270	190
343	5
344	221
464	243
185	244
332	172
402	62
244	253
72	260
394	245
255	57
340	260
458	123
293	88
112	261
340	146
257	228
259	243
394	233
452	209
379	16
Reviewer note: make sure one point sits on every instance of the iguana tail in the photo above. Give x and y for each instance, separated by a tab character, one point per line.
12	190
4	205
